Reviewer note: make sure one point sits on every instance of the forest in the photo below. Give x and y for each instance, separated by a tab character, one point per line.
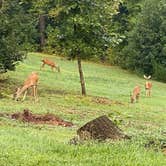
128	33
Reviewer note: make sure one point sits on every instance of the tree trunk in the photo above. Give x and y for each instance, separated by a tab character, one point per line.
81	76
42	31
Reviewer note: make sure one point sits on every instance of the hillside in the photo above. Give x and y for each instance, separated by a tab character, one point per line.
108	89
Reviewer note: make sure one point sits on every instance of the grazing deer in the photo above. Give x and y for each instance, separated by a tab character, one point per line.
148	86
136	93
50	63
30	82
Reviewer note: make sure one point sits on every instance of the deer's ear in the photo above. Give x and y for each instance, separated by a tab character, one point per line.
149	76
145	77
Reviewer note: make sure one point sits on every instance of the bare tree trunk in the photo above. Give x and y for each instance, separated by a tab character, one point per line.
42	31
81	76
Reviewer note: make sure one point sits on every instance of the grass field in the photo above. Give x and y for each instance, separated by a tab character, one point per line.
23	144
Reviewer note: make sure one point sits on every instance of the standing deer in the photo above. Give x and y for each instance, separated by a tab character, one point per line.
134	97
30	82
148	85
49	63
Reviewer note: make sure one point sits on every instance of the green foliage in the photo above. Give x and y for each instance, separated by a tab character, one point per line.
159	72
146	42
123	23
23	24
80	28
8	47
17	34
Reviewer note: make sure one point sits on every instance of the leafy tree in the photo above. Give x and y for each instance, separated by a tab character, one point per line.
81	29
146	45
40	10
9	53
123	23
17	30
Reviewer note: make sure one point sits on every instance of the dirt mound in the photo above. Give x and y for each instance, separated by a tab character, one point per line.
27	116
100	128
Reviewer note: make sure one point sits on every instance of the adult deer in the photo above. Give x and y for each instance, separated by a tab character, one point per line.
148	85
49	63
134	97
30	82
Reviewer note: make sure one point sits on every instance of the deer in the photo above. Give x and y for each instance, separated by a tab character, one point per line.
50	63
134	97
148	85
30	82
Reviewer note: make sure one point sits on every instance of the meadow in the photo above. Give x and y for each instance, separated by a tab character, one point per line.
25	144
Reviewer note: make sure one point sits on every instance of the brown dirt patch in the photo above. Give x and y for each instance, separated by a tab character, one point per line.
105	101
27	116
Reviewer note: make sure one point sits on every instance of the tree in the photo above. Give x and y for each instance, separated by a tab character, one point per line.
146	51
9	53
122	24
40	10
17	30
82	29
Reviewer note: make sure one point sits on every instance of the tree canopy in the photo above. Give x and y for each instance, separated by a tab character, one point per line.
146	51
130	32
16	32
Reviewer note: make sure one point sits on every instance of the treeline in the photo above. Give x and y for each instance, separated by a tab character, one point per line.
143	50
129	33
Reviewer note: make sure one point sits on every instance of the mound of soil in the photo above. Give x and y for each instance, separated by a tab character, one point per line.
27	116
101	128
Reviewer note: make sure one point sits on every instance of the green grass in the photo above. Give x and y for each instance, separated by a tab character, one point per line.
59	93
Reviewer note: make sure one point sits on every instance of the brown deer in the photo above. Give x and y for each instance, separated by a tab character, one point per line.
49	63
134	97
148	86
30	82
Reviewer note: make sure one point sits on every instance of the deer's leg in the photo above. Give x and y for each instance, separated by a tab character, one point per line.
53	68
23	89
146	92
42	66
35	92
25	94
137	98
57	68
149	93
31	92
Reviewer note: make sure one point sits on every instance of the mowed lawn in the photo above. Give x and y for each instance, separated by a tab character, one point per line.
25	144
